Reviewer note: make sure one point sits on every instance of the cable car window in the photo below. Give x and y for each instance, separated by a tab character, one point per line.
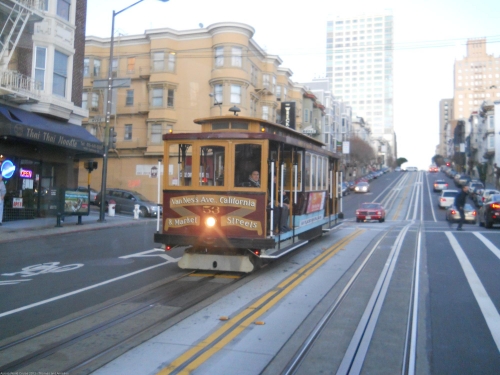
325	173
247	164
307	171
220	125
212	165
179	163
314	173
239	125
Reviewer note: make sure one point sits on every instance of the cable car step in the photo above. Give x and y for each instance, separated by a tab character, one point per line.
285	250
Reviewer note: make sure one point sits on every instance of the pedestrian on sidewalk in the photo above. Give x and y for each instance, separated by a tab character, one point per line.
460	200
3	191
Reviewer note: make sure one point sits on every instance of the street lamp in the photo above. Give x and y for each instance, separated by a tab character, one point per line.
108	110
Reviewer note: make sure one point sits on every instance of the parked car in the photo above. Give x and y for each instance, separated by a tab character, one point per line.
362	187
93	193
370	211
481	198
345	188
126	200
475	185
453	216
489	213
462	180
447	198
397	169
440	185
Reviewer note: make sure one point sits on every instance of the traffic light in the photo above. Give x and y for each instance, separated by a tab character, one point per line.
90	165
112	138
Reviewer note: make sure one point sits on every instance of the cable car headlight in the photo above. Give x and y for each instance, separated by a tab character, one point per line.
210	221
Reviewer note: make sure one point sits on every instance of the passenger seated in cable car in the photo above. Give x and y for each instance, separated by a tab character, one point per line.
253	179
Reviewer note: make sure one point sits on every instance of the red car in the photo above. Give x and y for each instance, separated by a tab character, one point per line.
370	211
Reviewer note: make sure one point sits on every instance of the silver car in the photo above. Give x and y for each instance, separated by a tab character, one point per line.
447	198
453	216
126	200
362	187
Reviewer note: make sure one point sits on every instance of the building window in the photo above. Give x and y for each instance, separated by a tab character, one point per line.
114	67
170	98
97	68
41	57
84	100
219	56
253	75
127	136
86	67
95	101
265	112
60	74
236	56
218	94
130	64
63	9
265	81
278	92
273	88
130	98
491	122
156	133
171	62
158	61
157	100
236	94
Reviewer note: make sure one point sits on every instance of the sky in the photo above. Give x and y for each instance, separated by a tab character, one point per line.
429	35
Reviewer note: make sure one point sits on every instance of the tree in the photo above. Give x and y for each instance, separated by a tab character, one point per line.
438	160
361	152
401	161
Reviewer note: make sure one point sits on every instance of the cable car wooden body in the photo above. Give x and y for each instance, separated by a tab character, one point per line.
221	218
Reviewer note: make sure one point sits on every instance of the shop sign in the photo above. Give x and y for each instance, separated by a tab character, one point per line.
7	169
25	173
17	202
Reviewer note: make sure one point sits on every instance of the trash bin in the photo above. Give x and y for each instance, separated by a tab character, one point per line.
111	208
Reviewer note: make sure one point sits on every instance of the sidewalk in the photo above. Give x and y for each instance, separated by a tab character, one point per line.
38	227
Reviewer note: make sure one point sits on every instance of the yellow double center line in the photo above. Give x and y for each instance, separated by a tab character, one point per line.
200	353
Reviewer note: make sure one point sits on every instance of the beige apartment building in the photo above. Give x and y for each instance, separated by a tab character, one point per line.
176	77
477	78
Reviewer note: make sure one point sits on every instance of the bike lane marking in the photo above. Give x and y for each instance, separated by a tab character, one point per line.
27	307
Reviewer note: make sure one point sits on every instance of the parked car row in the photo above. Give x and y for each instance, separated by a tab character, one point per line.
125	201
487	201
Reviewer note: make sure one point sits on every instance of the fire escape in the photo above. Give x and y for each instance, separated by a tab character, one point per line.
15	15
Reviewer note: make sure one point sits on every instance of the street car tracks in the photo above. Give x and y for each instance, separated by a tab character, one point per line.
350	357
84	342
205	349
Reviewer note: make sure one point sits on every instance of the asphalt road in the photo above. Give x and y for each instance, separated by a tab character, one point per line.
458	318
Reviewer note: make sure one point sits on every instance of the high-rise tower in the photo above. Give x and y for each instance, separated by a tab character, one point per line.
360	65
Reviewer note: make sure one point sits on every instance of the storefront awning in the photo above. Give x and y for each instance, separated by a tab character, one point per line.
15	122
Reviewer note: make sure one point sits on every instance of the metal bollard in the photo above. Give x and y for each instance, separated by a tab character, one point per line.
136	212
